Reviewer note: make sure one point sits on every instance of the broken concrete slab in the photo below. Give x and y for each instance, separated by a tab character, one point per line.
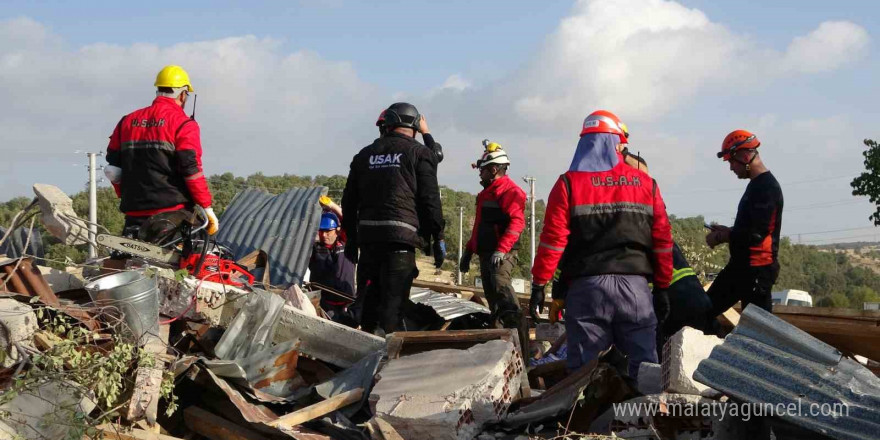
216	303
61	280
43	412
19	323
443	394
681	355
58	215
326	340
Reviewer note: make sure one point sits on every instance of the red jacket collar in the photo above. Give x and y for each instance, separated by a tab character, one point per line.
164	100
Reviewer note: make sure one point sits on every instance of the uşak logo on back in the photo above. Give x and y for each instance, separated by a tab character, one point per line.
385	160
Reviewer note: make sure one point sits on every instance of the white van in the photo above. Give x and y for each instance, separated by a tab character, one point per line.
792	297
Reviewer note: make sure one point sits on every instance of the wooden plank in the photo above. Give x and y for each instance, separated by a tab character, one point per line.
145	400
446	288
388	431
215	427
730	318
837	312
319	409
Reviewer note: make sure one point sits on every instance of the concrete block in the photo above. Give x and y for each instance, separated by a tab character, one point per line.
58	215
448	394
61	280
326	340
650	378
19	326
681	355
216	303
43	412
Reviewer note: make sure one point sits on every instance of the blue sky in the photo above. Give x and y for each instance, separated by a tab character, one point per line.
295	86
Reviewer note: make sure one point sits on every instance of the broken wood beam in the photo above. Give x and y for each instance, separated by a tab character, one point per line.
214	427
319	409
148	380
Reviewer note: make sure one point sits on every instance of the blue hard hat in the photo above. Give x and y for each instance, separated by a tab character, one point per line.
328	221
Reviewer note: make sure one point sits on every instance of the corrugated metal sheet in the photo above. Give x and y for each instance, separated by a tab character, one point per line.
14	244
283	225
768	361
446	305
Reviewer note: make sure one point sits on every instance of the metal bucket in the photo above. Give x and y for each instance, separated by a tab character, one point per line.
135	296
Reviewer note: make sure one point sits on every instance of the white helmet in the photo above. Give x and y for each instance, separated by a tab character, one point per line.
493	154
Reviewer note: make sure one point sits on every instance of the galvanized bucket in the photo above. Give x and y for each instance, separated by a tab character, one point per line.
135	296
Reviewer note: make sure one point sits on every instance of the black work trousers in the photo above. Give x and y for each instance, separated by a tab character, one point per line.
497	284
751	285
388	271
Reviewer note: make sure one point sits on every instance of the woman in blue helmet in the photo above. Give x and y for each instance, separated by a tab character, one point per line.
330	268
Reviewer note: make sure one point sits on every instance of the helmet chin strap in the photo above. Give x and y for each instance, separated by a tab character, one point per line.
748	164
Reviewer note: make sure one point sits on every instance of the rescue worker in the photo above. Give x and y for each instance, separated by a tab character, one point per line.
754	238
609	221
499	221
155	157
391	200
426	137
329	267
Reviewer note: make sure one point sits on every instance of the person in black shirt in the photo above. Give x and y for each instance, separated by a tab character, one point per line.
754	237
390	205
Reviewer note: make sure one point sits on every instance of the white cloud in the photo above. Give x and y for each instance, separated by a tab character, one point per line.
260	109
456	82
265	109
828	47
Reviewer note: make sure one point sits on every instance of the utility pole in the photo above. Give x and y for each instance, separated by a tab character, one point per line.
531	181
460	235
93	205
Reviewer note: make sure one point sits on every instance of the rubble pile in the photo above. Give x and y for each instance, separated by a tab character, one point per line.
125	350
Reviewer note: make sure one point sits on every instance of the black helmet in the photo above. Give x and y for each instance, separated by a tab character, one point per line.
400	114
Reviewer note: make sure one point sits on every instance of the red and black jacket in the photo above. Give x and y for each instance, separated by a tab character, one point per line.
159	151
754	239
606	222
500	218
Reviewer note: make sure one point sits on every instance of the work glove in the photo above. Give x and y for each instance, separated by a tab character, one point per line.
536	301
720	234
213	221
114	174
439	253
464	265
661	305
497	258
556	306
351	253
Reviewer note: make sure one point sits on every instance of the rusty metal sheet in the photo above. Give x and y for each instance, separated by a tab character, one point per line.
22	276
271	374
259	414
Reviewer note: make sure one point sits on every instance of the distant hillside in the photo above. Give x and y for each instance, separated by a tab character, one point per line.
840	275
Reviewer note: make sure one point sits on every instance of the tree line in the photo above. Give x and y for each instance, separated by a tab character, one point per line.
830	277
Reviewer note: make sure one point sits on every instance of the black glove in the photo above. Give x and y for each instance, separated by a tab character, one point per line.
351	253
464	265
439	253
661	305
536	301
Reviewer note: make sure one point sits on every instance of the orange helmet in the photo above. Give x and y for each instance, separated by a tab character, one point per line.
603	121
738	140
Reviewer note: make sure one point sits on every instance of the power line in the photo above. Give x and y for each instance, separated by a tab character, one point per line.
833	230
729	189
818	205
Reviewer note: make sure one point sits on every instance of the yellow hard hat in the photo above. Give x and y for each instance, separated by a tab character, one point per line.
174	77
